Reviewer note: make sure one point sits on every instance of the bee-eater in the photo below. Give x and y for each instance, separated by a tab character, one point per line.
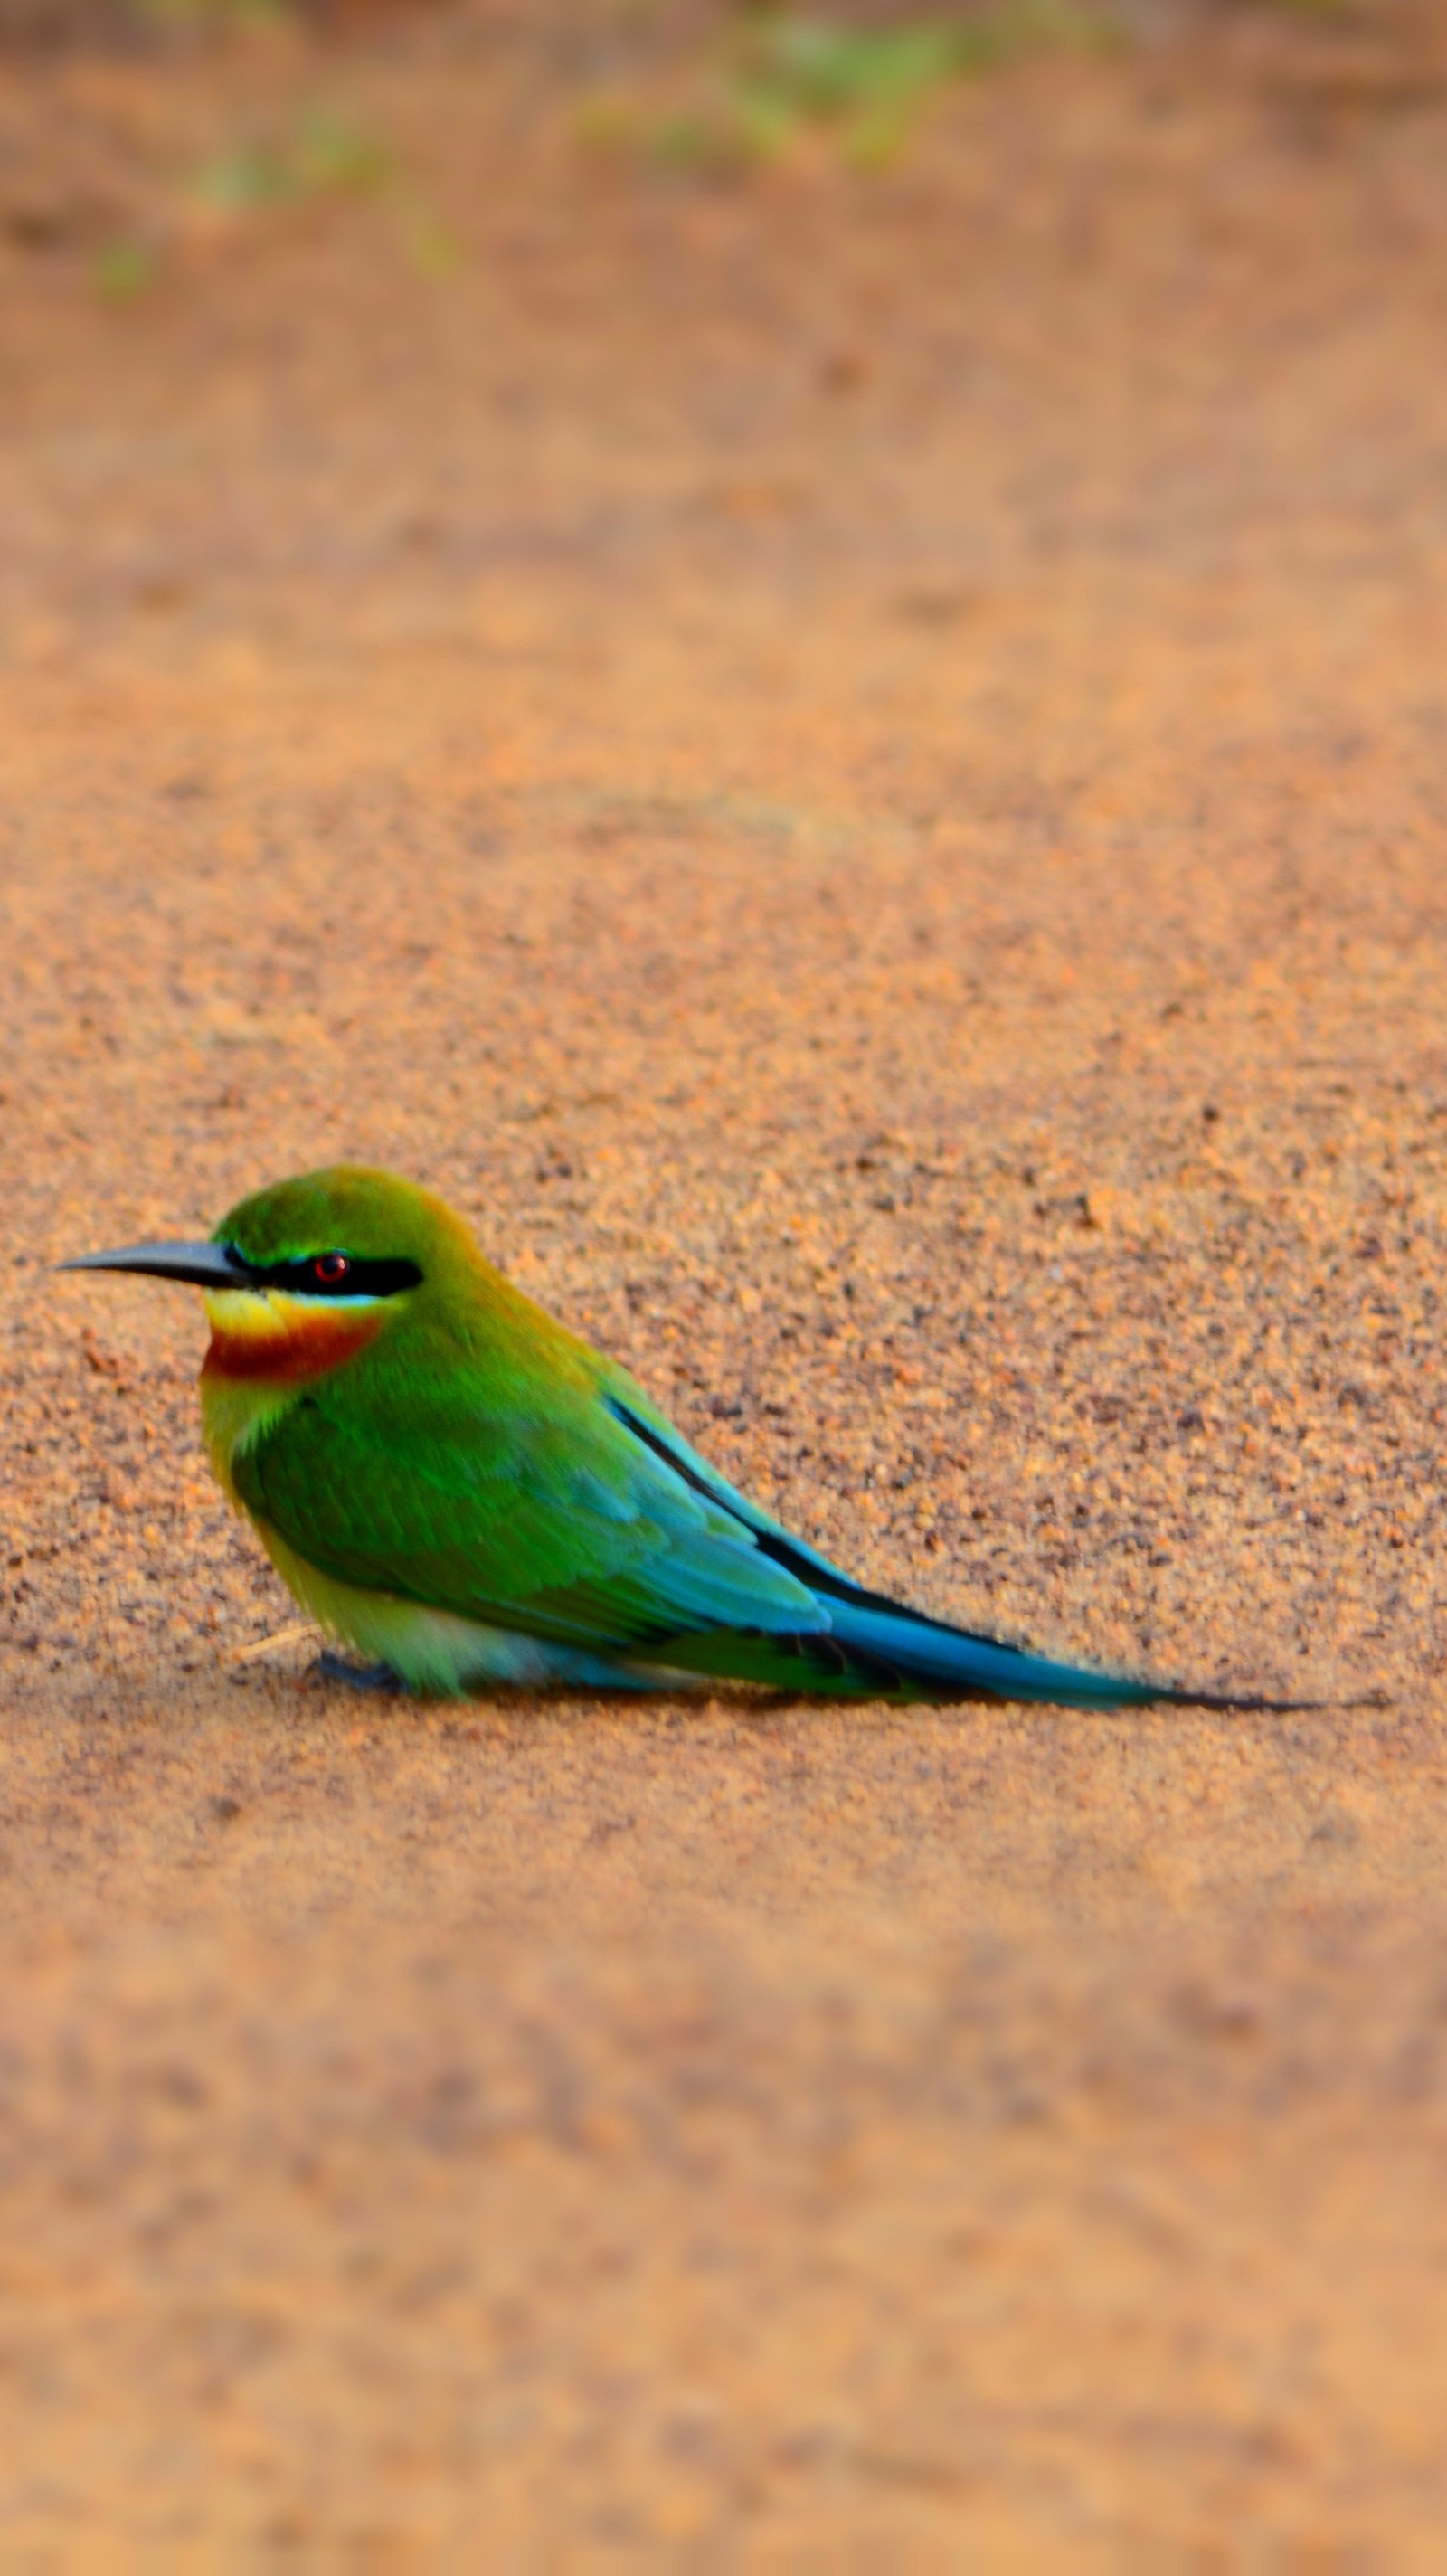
453	1483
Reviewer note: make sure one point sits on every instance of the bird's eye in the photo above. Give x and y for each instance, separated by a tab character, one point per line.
331	1268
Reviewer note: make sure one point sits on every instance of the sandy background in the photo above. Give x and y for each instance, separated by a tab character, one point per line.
857	768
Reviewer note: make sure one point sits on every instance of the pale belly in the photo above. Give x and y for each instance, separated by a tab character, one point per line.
436	1650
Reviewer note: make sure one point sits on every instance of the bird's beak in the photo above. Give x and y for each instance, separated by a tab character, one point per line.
204	1265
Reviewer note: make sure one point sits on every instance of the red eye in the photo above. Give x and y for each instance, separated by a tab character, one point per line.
330	1268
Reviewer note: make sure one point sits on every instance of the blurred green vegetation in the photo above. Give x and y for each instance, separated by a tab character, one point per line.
212	17
320	153
673	85
123	270
773	77
324	154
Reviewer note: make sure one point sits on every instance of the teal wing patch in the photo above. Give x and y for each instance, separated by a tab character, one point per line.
558	1523
628	1404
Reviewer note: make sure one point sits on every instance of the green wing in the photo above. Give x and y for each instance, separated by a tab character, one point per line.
542	1512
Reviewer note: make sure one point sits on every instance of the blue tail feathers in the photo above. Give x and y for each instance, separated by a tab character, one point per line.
877	1647
916	1652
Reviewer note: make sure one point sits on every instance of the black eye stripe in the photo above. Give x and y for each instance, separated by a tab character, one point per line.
359	1279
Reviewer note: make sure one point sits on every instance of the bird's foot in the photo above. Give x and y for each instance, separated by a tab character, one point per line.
367	1677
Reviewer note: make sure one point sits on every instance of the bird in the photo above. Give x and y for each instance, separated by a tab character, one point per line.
462	1491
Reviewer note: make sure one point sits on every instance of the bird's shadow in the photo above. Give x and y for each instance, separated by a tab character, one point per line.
758	1700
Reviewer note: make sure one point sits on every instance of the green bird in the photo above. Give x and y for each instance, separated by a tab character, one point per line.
455	1485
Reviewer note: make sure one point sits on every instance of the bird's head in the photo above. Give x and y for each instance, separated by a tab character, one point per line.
304	1275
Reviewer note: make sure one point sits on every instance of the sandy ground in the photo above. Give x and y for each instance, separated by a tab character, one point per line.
857	769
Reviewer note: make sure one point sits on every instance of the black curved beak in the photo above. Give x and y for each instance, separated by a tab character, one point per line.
202	1265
